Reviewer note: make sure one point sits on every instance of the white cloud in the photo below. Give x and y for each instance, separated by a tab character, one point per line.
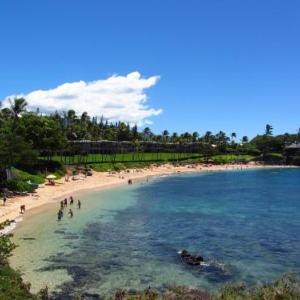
117	98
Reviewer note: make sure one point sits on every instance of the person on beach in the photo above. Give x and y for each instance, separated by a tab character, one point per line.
79	204
71	213
60	214
61	204
4	200
71	200
22	209
65	202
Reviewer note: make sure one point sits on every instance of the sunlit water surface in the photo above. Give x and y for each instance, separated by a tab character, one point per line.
246	224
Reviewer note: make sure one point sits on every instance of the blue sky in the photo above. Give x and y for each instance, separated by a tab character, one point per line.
223	65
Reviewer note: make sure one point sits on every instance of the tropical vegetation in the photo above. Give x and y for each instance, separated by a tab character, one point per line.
30	141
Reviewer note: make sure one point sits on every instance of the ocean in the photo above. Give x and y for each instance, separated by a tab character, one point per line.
246	225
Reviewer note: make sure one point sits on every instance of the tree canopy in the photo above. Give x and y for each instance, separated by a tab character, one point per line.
25	134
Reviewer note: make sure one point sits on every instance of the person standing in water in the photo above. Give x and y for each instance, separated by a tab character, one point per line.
79	204
60	214
70	213
71	200
65	202
61	204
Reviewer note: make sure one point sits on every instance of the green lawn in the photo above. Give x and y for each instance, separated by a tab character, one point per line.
227	158
125	157
121	161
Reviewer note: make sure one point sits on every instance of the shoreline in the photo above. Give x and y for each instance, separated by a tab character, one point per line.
47	194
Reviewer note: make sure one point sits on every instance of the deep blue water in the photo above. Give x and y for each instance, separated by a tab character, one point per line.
246	224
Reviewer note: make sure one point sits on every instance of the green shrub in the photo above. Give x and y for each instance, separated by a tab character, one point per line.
25	176
18	185
232	292
11	283
272	158
119	167
102	167
12	286
40	167
6	247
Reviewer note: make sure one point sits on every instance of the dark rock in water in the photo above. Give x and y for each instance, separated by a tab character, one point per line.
60	231
78	273
193	260
89	296
51	268
67	296
71	236
29	239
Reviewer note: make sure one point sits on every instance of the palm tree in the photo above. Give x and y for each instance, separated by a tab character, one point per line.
174	137
245	139
221	137
147	133
195	136
84	118
71	115
233	136
269	130
17	106
84	122
165	135
186	137
207	137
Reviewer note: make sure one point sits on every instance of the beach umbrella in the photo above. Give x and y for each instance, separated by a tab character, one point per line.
51	176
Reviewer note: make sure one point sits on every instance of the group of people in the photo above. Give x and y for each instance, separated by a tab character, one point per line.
22	206
64	204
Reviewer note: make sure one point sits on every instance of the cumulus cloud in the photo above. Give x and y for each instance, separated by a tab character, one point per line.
117	98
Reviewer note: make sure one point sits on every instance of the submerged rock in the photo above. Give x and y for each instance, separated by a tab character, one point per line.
90	296
193	260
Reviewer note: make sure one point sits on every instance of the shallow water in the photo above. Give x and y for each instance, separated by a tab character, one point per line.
246	224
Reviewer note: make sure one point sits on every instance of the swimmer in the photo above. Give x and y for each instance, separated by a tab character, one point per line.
71	213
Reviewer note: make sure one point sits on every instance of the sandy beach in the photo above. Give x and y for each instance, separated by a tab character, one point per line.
46	194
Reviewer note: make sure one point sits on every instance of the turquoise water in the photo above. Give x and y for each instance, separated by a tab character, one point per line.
246	224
